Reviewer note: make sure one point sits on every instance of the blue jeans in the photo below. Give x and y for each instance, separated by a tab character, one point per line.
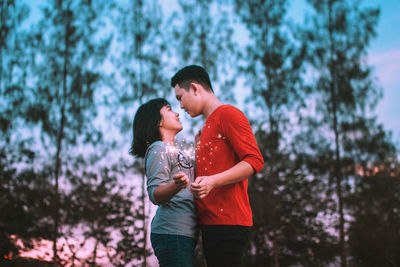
173	250
225	245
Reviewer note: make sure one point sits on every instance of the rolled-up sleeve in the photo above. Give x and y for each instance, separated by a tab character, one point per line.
157	169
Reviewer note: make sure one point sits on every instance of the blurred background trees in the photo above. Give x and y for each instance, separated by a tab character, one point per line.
72	77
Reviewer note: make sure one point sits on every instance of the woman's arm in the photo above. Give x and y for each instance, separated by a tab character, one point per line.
165	192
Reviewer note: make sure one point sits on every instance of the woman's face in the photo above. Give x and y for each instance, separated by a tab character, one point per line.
170	120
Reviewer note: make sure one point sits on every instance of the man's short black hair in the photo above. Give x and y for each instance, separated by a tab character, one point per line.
189	74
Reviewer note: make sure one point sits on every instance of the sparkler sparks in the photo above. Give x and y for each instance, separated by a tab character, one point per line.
183	156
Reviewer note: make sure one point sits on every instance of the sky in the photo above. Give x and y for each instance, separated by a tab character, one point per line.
383	54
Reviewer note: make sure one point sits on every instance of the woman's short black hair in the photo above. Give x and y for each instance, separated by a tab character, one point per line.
146	126
189	74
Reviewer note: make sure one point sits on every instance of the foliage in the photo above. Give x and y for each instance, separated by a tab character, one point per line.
337	37
25	200
62	99
287	229
201	33
12	66
69	86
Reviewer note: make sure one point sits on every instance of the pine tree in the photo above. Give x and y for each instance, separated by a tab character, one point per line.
24	192
141	66
65	75
101	210
338	35
12	65
201	33
372	162
287	228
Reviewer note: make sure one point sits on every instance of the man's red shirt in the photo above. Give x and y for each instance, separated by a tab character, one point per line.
226	139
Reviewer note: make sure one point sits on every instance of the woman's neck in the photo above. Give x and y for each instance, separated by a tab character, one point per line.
168	138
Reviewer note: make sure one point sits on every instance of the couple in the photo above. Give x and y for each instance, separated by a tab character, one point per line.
216	200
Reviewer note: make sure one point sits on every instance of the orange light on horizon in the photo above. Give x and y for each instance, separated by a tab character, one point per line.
8	257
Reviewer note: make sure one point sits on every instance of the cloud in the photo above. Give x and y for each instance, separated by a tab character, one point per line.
387	67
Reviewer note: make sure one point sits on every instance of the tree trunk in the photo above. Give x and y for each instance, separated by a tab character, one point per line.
273	175
144	223
337	172
2	44
95	254
60	136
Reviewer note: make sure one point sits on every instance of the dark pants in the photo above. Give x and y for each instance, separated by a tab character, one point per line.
225	245
173	250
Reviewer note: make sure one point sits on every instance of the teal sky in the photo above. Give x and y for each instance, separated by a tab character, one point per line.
383	54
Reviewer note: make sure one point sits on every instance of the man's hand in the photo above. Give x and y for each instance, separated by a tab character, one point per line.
202	186
181	180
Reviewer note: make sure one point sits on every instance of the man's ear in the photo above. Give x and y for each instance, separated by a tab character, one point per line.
196	88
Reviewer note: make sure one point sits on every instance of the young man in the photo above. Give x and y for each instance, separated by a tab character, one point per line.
226	155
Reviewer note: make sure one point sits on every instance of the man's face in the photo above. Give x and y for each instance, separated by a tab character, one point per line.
188	100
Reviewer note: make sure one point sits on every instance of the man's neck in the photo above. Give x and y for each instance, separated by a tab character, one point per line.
212	104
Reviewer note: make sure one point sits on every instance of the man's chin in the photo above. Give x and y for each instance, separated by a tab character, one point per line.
193	115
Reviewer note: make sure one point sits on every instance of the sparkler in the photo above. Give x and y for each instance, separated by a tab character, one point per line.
183	156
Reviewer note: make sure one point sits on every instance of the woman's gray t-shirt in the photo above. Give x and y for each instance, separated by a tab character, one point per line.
177	216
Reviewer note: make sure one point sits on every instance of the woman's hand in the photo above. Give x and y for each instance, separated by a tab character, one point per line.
165	192
181	180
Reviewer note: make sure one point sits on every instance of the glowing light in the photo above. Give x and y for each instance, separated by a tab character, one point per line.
7	257
183	156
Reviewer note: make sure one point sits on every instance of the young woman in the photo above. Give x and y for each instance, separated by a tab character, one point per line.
168	171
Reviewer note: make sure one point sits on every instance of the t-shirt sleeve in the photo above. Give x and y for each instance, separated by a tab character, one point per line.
236	128
157	169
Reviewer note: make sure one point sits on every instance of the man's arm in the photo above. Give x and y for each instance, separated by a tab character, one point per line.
238	133
204	184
